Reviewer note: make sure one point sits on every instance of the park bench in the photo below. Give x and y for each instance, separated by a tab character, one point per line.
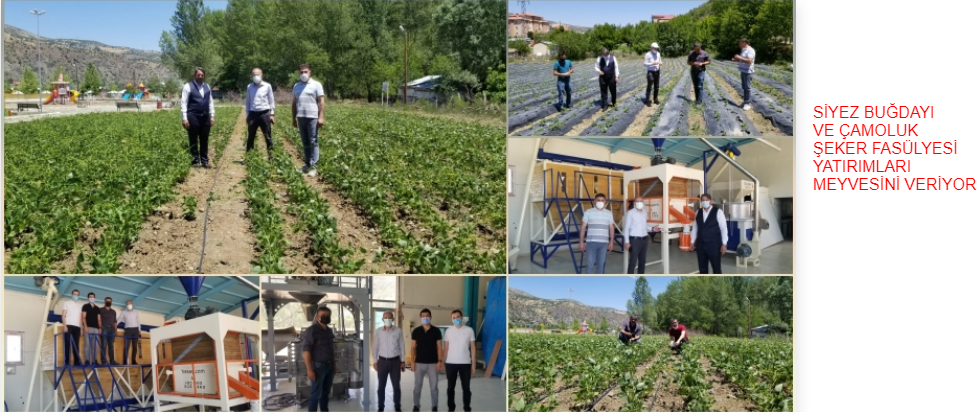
22	106
127	105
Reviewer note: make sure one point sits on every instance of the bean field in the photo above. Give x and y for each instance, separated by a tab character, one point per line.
533	102
598	373
396	192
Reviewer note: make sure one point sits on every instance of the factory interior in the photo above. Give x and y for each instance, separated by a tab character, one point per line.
196	346
552	181
357	304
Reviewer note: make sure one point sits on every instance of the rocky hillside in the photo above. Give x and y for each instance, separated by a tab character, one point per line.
115	64
525	308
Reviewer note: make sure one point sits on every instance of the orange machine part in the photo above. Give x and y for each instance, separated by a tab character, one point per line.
682	217
685	242
247	391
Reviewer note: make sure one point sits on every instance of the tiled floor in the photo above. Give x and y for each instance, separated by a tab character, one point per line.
488	394
776	260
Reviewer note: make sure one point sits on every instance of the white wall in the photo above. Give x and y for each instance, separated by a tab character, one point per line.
520	152
25	312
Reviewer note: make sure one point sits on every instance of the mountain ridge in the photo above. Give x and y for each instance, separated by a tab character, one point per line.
525	308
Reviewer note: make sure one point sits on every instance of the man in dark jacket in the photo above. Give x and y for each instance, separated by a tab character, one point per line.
709	237
608	72
197	108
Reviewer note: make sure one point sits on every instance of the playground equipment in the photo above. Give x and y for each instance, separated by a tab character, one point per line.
140	95
60	91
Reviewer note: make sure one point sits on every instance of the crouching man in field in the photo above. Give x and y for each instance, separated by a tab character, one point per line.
677	337
630	331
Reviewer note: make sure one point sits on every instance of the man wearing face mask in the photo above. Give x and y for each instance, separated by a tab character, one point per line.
197	108
697	60
599	225
308	104
71	317
630	331
563	69
319	354
637	236
652	63
608	73
426	359
130	320
108	331
709	235
260	106
93	324
388	359
459	360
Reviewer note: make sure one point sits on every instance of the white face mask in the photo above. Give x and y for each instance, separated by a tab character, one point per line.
600	205
304	77
705	204
129	307
639	205
388	322
256	79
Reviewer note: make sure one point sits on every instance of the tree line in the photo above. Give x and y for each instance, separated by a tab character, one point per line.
351	47
717	25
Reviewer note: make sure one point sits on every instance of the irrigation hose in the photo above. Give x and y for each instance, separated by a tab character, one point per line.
656	392
207	210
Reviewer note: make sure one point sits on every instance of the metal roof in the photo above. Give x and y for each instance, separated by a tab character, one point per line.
686	151
159	294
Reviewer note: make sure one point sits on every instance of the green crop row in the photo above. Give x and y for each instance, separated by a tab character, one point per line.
314	216
446	175
764	369
89	178
267	223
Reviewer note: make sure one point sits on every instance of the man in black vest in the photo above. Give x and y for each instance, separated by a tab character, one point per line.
607	68
709	237
197	108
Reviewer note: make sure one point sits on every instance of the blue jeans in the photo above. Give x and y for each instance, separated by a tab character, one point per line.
745	83
319	395
625	339
698	79
596	254
563	93
308	130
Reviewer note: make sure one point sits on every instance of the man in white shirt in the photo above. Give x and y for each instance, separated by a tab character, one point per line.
637	236
653	64
71	317
388	359
197	109
745	64
709	237
459	359
608	73
260	106
308	104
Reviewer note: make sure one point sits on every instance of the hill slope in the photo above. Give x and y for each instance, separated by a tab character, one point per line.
115	64
525	308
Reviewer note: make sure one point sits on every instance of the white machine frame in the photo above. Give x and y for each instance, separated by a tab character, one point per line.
216	326
665	173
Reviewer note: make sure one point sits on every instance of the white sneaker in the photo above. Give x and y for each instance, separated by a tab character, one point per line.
746	107
312	173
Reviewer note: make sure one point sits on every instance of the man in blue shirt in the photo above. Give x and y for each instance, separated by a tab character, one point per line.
563	69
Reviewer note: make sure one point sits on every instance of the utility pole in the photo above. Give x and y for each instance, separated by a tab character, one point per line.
405	64
38	14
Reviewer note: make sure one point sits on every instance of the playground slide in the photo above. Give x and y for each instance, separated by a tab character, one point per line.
125	96
74	97
139	96
50	98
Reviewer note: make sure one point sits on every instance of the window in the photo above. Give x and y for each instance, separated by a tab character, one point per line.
15	348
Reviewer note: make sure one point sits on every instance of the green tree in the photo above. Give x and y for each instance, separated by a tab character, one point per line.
576	325
604	324
191	42
642	303
28	82
7	85
474	30
520	46
113	86
606	36
562	325
92	82
155	85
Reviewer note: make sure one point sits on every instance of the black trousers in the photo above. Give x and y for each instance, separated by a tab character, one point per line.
198	131
454	370
389	367
639	248
679	347
608	85
708	254
652	84
108	343
71	344
131	339
258	120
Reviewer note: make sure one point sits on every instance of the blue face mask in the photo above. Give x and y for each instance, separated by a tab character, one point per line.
425	321
457	321
74	297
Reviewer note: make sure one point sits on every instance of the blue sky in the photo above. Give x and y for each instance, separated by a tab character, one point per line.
591	13
607	291
136	24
